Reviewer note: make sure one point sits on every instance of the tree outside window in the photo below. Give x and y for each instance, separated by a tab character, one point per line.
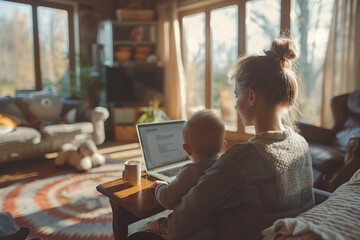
310	24
309	20
210	88
21	61
16	47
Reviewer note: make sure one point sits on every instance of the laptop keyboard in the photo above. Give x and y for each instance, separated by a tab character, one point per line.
171	172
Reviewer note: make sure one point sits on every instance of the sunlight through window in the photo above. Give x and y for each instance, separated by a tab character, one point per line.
25	57
310	24
262	24
194	61
16	47
224	51
54	45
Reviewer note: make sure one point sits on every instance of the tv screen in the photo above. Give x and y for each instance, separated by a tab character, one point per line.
134	85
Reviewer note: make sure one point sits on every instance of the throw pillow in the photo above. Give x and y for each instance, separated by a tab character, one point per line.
8	121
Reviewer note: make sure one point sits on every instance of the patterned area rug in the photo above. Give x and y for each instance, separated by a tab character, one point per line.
65	206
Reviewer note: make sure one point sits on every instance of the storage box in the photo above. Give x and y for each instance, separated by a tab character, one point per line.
124	115
135	15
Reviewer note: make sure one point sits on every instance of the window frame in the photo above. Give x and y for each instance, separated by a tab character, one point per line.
193	7
56	5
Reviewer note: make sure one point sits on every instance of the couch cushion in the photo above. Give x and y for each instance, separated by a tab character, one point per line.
21	135
325	158
56	129
9	107
21	103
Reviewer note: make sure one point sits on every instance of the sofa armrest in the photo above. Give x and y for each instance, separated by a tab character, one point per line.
320	195
350	166
97	117
339	110
315	134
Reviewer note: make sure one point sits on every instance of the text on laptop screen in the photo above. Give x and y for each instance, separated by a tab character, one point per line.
162	143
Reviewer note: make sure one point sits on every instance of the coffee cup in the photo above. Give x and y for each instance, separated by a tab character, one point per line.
132	172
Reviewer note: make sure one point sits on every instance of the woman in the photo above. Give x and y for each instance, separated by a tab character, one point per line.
267	178
264	179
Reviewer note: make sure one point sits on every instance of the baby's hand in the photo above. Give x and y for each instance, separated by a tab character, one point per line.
157	183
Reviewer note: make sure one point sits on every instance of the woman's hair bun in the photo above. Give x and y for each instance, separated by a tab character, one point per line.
283	50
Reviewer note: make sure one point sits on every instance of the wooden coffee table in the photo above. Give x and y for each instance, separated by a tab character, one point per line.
130	204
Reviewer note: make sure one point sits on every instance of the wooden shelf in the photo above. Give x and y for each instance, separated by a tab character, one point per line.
115	34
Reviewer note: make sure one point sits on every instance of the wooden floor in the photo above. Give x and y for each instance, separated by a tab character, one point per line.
20	170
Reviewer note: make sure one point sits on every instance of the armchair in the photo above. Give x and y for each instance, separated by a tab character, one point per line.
335	152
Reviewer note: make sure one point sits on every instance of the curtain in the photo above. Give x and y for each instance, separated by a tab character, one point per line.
170	55
342	62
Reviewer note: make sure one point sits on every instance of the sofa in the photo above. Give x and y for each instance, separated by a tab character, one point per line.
335	152
41	122
336	218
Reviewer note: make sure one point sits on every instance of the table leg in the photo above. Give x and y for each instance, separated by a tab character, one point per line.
121	219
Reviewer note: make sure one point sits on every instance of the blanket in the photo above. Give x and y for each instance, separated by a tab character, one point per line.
337	218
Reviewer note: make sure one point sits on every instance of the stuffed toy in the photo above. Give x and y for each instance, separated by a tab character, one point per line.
44	106
82	158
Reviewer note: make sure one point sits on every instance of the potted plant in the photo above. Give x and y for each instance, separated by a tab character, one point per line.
153	113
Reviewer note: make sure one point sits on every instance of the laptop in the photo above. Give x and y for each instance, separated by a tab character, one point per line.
162	148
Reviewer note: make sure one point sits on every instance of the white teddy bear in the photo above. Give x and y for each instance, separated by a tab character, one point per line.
82	158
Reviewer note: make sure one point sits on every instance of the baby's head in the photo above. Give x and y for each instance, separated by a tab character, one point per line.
204	135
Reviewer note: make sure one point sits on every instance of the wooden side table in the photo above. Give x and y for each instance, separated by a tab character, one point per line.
130	204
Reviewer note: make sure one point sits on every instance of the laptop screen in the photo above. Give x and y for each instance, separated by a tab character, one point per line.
162	143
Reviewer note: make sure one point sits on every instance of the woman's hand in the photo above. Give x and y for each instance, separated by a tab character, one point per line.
157	183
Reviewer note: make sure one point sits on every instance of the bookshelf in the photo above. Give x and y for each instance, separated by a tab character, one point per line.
127	41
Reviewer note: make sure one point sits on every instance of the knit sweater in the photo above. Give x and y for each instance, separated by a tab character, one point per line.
284	151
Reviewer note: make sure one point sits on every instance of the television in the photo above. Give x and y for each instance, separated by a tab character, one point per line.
134	85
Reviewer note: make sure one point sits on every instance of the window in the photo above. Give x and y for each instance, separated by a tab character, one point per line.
17	48
310	23
262	24
206	84
194	60
35	42
54	44
223	52
213	36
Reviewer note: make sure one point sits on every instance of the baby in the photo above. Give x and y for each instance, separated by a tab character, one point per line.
204	139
